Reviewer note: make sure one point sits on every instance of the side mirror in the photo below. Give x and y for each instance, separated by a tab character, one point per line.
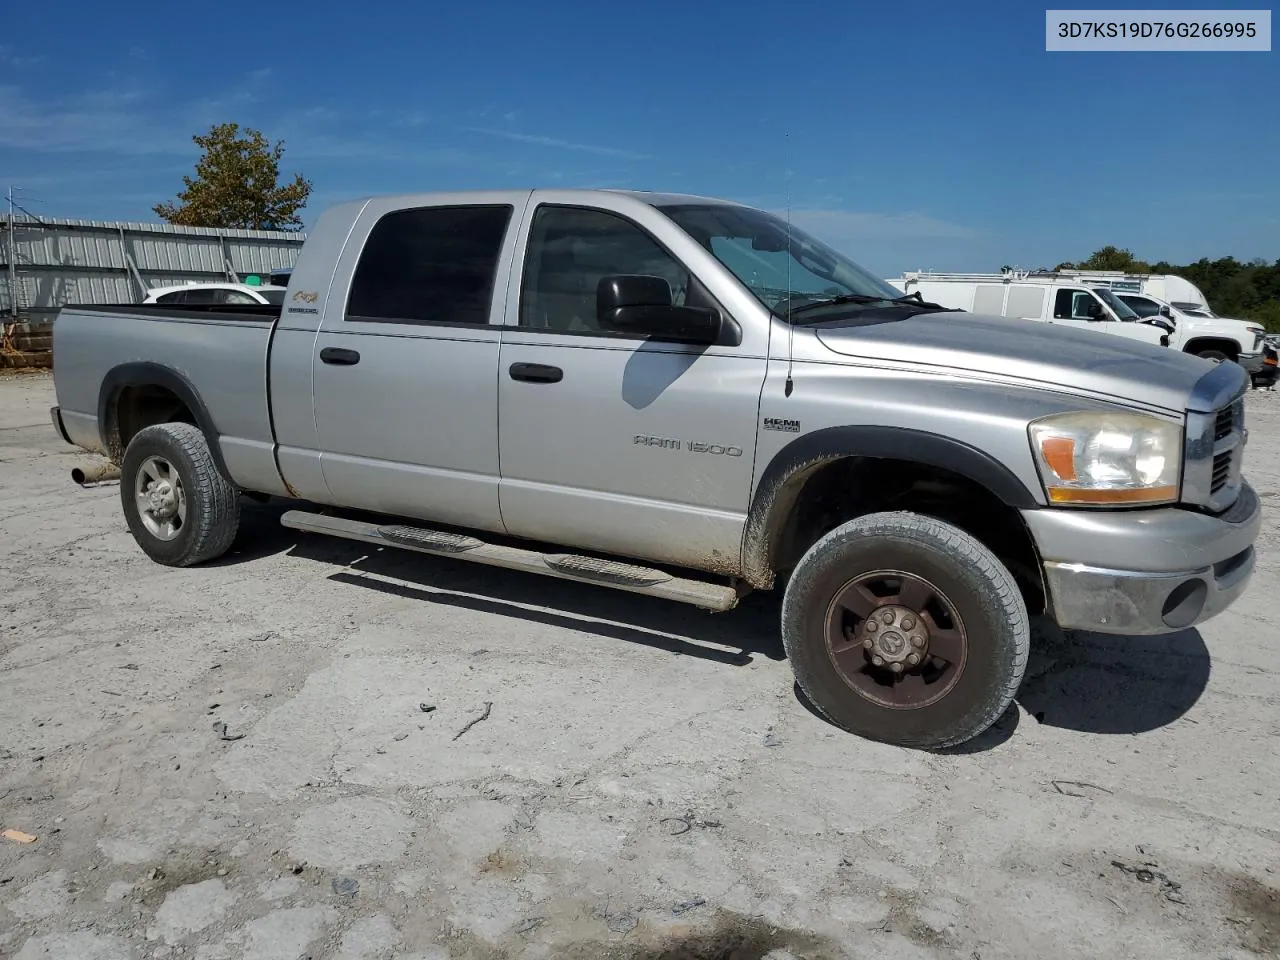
631	303
1166	312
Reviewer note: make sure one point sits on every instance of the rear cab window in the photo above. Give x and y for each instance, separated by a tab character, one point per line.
430	265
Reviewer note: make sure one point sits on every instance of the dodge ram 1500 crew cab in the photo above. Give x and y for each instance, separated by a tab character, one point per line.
687	398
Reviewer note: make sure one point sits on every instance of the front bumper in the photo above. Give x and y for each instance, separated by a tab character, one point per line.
1166	570
1252	362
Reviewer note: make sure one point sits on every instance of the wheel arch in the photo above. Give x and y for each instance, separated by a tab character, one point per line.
168	395
838	454
1222	344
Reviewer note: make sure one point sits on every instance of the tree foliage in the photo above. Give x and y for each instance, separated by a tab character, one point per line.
1246	291
236	184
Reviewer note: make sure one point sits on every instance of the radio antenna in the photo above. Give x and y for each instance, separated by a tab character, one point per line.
786	159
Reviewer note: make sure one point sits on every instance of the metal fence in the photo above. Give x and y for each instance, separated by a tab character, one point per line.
49	263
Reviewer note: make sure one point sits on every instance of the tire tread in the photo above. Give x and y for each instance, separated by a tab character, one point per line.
917	530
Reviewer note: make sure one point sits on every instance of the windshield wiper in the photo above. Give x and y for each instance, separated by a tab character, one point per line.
910	300
835	301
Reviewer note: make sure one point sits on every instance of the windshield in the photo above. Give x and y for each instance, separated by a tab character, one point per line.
1121	308
753	245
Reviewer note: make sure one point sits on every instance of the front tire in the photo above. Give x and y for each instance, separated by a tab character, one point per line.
906	630
180	507
1214	356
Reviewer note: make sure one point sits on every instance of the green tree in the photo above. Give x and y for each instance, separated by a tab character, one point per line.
1234	288
237	185
1110	258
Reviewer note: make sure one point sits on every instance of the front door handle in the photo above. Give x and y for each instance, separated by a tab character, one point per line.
340	356
536	373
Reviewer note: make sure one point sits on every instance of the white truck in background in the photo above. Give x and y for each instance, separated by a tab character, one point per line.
1197	329
1046	297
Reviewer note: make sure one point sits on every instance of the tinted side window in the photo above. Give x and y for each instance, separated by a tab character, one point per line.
178	296
239	297
1141	306
1073	305
570	250
206	295
434	264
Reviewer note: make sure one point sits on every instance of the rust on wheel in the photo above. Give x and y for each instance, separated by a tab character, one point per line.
896	639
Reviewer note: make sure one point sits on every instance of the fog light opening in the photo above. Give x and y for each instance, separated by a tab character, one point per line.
1184	603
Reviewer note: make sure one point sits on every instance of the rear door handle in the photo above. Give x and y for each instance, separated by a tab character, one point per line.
340	356
536	373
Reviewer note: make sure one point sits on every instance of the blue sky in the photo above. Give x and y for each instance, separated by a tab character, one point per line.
940	136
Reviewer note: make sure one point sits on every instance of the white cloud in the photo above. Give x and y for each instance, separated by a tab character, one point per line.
543	141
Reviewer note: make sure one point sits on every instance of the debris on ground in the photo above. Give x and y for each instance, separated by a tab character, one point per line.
687	905
674	826
530	923
771	739
346	886
488	708
1078	788
220	728
426	707
399	736
17	836
1146	873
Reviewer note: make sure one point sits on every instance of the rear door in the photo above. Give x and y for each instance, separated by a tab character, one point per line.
406	360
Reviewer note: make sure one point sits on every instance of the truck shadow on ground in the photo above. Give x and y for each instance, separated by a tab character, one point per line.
734	638
1084	682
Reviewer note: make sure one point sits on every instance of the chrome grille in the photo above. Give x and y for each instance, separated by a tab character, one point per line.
1225	421
1214	455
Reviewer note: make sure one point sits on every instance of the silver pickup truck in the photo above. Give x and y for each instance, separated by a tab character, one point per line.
687	398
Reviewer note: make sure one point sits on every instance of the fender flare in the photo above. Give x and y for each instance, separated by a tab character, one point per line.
782	480
148	374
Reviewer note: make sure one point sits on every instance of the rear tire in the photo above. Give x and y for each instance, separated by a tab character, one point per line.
180	507
955	603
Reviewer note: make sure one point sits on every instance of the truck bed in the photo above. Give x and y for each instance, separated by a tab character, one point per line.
103	351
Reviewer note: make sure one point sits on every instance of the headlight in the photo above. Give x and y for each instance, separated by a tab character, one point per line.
1102	459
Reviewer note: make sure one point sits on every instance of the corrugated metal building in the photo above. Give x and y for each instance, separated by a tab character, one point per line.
59	261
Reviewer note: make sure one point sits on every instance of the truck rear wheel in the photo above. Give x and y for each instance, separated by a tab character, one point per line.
180	508
906	630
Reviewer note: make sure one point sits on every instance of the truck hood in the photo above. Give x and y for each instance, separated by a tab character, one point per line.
1037	354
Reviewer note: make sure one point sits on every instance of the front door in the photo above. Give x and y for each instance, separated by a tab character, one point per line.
614	443
405	366
1077	307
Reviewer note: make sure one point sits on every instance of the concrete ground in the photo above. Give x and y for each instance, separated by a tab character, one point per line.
644	782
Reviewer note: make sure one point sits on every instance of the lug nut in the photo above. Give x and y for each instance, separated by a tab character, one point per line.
872	626
887	617
913	659
908	622
895	667
917	641
868	643
878	661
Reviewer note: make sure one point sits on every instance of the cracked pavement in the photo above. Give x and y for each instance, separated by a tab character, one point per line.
646	783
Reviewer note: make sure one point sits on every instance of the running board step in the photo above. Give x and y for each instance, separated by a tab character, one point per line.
609	573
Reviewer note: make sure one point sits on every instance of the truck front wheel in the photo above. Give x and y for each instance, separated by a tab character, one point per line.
180	508
907	630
